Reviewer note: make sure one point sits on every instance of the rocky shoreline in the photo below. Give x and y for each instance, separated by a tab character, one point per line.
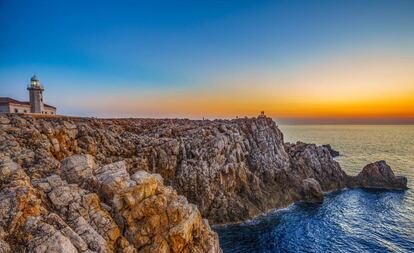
153	185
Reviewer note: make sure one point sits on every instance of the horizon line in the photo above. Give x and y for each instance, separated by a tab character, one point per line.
279	121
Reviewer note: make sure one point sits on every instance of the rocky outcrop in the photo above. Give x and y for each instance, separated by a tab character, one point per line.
18	202
377	175
316	163
312	161
229	169
332	151
311	190
153	217
232	170
140	214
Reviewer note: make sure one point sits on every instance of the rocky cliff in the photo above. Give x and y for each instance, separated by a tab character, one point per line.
121	213
231	170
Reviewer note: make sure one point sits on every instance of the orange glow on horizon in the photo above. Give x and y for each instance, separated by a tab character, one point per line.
348	87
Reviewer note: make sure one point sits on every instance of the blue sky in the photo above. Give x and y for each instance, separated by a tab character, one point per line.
132	50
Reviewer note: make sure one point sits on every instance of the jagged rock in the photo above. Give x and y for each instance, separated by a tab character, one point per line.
45	238
113	178
20	206
377	175
232	170
225	167
154	217
54	216
76	169
333	152
312	161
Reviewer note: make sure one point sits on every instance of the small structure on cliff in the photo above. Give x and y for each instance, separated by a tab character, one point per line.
35	104
262	114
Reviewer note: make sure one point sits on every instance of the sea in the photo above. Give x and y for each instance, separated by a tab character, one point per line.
349	220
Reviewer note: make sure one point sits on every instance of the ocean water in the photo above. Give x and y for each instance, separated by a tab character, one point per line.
349	220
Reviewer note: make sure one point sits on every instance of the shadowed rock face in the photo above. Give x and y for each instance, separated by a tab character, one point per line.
232	170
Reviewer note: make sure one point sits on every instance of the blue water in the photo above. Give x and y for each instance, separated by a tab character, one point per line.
349	220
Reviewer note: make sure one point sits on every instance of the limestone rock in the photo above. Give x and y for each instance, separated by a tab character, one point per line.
45	238
21	214
51	215
76	169
232	170
154	217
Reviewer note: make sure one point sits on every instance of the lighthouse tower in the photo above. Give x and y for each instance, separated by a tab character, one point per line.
36	95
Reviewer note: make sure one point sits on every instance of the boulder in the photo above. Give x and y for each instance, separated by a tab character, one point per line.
77	168
312	191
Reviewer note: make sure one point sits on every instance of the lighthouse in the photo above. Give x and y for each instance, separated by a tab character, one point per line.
35	95
35	105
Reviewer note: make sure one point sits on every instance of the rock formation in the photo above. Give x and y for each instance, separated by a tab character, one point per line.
333	152
311	190
377	175
98	184
140	213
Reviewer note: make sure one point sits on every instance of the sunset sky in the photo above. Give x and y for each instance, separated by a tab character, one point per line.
299	61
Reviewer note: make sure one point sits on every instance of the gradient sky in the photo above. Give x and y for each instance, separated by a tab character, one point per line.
299	61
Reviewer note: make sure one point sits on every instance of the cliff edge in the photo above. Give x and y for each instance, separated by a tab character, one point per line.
232	170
